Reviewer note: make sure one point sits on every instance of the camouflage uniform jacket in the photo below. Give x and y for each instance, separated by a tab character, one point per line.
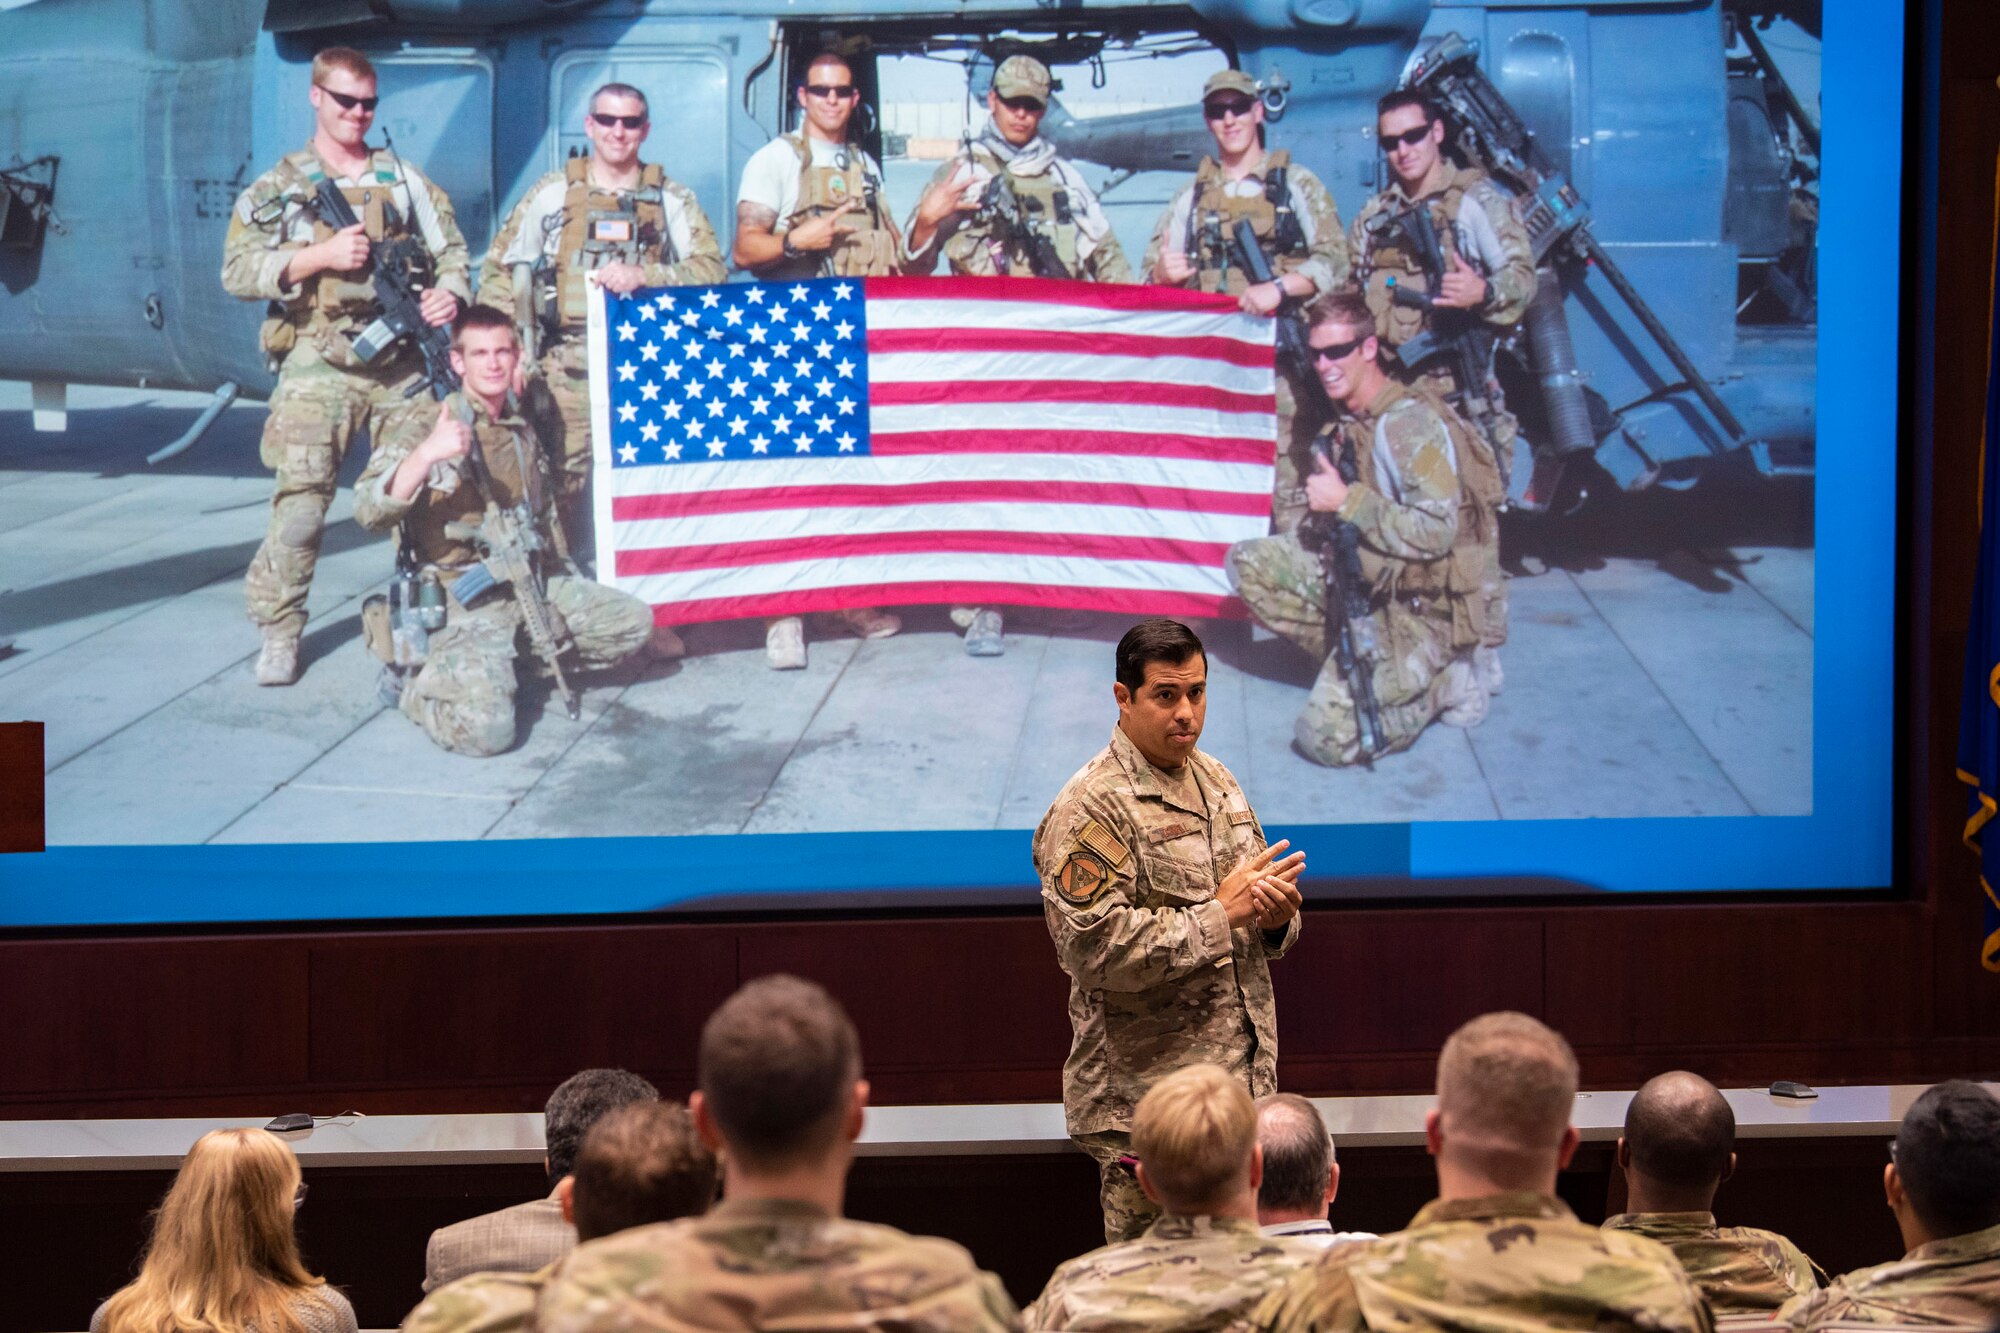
1158	979
1954	1282
1475	220
1185	1275
771	1265
1507	1261
1740	1269
480	1303
1324	261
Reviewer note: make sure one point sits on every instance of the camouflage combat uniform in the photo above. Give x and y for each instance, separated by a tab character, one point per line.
659	227
1158	979
1951	1282
1740	1269
480	1303
771	1264
463	697
1507	1261
1425	505
1185	1275
325	395
1475	220
1295	219
1047	185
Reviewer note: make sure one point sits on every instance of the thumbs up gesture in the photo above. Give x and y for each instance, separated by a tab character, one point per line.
1462	287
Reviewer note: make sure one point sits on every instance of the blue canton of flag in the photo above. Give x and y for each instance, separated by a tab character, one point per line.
705	374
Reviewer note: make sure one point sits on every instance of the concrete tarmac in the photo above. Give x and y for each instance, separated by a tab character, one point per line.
1661	664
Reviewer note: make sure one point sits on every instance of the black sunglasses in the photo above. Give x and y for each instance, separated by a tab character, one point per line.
347	101
629	122
1227	106
1389	143
840	92
1022	103
1336	351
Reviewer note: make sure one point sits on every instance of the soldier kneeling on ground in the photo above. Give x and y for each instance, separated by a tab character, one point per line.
477	572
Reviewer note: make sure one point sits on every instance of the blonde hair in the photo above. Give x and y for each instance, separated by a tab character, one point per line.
1506	1085
1194	1132
345	59
223	1256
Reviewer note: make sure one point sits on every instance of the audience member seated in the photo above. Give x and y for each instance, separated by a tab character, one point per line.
780	1100
1678	1146
1943	1185
531	1236
223	1254
639	1164
1496	1249
1301	1176
1202	1264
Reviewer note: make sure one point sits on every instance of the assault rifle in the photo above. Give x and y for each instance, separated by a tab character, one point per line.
1019	224
1452	333
508	543
1555	215
1350	628
398	268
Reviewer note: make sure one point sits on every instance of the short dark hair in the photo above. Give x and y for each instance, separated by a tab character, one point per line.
1298	1154
477	316
1343	305
579	1102
777	1063
1948	1157
621	90
826	55
1402	97
1154	640
641	1163
1680	1131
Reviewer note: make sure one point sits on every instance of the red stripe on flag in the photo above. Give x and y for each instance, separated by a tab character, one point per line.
1081	545
1120	601
1230	350
1115	443
742	500
1050	291
1150	393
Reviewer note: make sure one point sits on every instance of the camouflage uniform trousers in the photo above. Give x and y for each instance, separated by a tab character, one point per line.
1492	579
1127	1210
1288	493
1284	587
561	418
463	697
316	411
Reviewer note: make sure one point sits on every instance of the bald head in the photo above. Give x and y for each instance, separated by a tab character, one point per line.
1506	1087
1679	1134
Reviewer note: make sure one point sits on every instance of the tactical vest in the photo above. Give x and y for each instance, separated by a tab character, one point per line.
385	208
1457	579
600	227
515	467
1389	254
871	248
1045	199
1213	213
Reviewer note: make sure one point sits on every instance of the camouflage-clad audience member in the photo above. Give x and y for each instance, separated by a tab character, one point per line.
1204	1263
1943	1185
639	1164
1676	1150
781	1100
1496	1249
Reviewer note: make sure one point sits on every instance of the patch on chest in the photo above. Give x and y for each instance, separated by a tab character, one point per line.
1082	877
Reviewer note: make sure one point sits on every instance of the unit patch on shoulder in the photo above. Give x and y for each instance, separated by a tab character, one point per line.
1104	842
1082	877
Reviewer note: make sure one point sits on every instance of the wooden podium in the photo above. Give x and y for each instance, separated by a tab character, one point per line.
22	797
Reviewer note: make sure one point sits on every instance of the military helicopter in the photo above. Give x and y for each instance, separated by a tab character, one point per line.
1666	162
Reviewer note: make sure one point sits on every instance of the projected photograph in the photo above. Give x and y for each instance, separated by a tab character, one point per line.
884	547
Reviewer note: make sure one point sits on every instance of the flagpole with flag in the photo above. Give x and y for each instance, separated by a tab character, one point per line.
1979	717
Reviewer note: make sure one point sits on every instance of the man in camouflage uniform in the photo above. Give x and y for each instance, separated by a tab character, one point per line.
608	219
780	1100
1204	1264
1489	280
1497	1248
640	1164
279	250
1943	1185
812	204
426	487
1297	228
1058	230
1424	503
1165	907
1676	1150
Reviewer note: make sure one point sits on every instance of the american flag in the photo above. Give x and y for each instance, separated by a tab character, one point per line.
778	448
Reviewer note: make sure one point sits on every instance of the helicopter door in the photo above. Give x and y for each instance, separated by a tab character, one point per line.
438	106
687	96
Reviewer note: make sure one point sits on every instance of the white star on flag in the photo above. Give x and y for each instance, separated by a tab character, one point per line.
628	453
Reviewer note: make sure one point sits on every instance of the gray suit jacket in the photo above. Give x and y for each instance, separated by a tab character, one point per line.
522	1239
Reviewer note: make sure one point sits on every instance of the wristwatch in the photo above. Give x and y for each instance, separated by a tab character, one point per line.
791	251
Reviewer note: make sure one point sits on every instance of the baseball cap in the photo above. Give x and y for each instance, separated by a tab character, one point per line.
1022	76
1229	81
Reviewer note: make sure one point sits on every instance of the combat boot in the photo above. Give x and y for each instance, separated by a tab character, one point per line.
278	662
983	637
